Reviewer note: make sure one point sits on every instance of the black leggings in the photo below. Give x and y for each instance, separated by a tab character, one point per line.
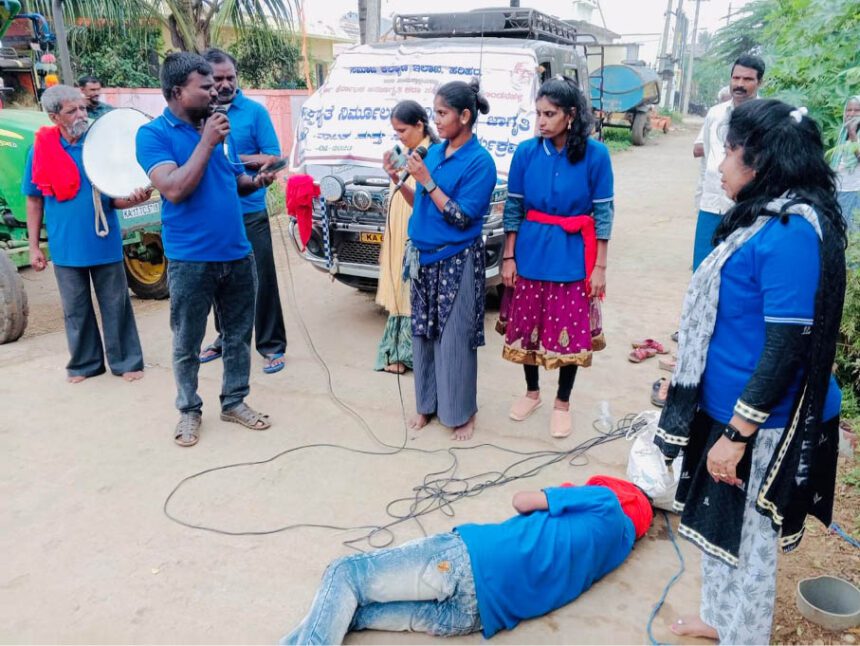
566	377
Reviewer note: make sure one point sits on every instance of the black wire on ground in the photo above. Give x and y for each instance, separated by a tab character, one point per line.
438	490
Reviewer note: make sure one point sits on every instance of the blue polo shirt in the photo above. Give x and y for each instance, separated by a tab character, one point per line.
253	133
548	182
468	177
534	563
207	226
770	279
70	225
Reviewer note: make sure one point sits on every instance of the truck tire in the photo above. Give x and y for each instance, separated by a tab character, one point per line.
14	309
147	278
641	128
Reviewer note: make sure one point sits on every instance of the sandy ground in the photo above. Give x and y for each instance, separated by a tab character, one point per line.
90	557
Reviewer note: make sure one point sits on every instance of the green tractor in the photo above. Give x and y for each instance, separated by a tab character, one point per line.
24	38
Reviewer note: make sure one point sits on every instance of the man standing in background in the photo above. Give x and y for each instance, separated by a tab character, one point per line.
91	88
257	145
746	78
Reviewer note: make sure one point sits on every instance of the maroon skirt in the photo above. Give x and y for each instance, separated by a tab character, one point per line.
550	324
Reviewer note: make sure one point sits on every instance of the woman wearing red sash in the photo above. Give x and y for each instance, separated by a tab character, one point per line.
558	220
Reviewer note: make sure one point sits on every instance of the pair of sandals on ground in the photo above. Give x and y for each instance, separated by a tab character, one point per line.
646	349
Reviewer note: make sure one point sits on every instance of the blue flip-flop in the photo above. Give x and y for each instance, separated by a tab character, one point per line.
210	348
271	368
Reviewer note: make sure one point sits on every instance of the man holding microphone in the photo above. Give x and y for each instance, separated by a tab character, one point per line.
189	156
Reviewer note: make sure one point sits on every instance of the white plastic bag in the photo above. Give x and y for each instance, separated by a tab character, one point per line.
646	466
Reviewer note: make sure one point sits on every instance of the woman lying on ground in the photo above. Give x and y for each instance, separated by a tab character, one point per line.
753	403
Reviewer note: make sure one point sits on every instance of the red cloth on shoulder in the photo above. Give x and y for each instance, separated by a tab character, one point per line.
301	192
634	503
55	173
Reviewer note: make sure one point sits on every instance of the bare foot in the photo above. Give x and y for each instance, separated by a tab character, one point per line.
133	376
465	431
395	368
418	421
693	626
75	379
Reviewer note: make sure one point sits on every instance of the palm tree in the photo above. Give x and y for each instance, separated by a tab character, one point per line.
193	24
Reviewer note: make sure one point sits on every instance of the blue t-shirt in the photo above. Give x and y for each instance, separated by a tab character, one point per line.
207	226
70	225
468	177
549	183
532	564
252	133
772	278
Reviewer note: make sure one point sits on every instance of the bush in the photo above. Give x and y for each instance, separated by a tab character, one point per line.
129	59
267	59
848	348
616	139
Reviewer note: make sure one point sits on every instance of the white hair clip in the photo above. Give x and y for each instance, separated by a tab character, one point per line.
798	113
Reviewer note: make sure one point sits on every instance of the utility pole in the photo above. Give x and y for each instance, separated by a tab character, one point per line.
62	43
687	88
369	19
664	41
670	85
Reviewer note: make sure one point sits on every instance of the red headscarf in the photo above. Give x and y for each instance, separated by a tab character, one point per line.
634	503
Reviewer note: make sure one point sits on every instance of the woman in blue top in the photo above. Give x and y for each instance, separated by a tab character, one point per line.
558	220
454	185
753	403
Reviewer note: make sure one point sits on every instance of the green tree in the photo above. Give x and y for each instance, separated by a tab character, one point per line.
810	48
130	61
267	60
194	25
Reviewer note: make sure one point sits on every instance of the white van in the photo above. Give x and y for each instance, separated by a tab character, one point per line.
344	127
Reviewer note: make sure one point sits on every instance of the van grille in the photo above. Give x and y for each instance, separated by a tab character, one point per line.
360	253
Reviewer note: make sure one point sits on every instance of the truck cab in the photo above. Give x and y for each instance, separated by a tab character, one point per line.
344	127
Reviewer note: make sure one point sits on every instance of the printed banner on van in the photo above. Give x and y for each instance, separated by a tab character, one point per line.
347	121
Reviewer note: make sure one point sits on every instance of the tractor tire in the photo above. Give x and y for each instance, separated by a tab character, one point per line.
14	309
146	279
641	128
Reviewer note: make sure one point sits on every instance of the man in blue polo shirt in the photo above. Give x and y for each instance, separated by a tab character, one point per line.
191	159
86	250
257	145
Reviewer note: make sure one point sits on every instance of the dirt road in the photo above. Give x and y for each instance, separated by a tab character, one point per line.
89	555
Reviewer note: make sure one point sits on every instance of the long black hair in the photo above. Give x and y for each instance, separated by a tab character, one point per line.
462	96
784	148
411	113
564	93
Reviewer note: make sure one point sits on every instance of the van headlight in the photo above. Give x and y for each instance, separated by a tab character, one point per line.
332	188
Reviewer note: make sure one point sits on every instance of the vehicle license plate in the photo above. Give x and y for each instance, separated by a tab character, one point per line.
371	238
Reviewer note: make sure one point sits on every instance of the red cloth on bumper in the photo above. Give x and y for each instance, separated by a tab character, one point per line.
301	192
54	171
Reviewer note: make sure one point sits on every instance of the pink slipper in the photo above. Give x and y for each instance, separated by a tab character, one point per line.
523	407
640	354
668	364
559	423
650	343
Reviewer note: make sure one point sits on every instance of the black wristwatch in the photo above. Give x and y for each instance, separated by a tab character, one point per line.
735	435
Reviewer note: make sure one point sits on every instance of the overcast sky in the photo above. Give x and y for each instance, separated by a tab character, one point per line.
638	20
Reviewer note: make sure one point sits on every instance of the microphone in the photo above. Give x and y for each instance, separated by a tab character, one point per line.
421	151
222	110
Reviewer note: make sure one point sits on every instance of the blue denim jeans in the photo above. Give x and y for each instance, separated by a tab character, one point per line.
230	288
425	585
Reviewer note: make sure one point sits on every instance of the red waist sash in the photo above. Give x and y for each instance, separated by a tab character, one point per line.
582	224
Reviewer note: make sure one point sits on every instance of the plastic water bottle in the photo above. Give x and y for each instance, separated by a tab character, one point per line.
605	422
